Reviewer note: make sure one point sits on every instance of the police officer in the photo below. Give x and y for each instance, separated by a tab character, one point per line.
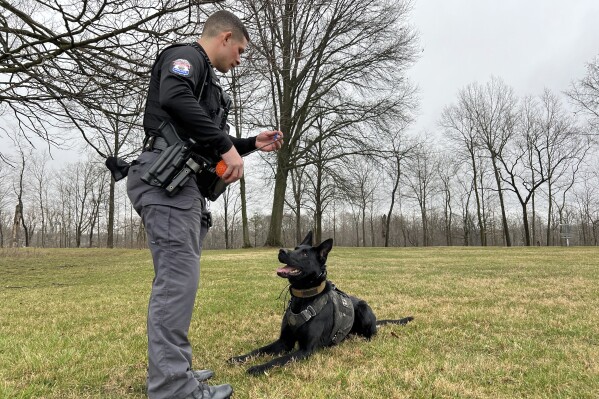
185	91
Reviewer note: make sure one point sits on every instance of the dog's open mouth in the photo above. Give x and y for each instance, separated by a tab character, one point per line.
288	271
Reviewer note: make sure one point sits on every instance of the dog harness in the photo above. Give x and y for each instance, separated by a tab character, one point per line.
343	314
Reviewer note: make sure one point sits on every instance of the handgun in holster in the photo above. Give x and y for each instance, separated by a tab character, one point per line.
175	165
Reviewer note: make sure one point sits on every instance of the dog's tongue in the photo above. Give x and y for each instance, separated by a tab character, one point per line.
285	271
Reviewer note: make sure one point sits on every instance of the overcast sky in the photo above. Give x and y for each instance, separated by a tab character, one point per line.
530	44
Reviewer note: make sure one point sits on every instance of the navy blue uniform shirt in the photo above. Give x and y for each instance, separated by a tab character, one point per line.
176	81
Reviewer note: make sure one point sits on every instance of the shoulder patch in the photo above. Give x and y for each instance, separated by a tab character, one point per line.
181	67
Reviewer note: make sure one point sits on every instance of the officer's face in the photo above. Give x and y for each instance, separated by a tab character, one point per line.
231	53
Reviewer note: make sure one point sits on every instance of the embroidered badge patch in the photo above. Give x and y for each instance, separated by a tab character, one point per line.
181	67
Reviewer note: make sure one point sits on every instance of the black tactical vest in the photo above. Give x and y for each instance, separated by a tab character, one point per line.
343	314
211	95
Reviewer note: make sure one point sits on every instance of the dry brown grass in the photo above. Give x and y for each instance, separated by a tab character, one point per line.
490	323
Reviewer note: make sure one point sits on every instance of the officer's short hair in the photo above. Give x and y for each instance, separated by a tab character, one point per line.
223	21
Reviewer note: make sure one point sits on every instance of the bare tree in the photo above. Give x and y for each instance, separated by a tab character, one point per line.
41	179
81	185
523	167
115	130
421	180
98	194
240	98
563	185
64	213
19	219
358	187
466	184
588	209
584	94
244	86
491	108
353	53
447	170
460	130
16	225
325	158
547	147
297	192
76	191
83	53
562	148
84	66
258	225
231	206
400	149
4	192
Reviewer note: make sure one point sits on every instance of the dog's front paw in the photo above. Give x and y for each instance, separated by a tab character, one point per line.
257	370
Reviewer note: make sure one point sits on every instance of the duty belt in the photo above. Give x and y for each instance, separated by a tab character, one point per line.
154	143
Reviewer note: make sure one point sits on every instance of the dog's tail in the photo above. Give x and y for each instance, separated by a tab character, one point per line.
402	322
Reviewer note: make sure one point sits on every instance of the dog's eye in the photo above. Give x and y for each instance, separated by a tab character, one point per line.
305	254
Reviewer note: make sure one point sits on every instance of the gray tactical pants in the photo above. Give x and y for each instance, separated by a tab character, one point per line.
176	227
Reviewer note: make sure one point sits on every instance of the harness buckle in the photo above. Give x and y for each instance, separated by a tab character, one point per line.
308	313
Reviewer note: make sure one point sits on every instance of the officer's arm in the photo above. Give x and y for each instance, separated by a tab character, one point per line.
243	146
181	71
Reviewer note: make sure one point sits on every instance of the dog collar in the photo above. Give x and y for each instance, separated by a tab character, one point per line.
309	292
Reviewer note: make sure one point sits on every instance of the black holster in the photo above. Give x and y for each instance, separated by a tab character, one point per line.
175	165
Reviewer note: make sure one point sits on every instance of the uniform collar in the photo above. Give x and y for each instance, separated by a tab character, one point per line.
199	47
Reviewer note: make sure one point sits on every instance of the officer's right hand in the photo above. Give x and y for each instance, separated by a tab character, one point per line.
234	163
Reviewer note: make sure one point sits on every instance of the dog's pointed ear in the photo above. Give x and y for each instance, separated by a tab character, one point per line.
308	239
325	248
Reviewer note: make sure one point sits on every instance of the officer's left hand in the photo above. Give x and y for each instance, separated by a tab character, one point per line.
234	165
272	137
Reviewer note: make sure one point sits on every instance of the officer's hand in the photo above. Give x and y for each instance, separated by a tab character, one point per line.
234	163
272	137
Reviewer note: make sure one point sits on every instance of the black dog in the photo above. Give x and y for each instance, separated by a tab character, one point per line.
318	314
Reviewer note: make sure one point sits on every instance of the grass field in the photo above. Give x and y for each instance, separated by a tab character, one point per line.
489	323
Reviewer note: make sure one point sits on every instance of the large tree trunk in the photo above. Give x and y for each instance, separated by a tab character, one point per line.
526	226
549	211
278	204
1	231
237	113
506	231
424	226
390	212
226	216
19	209
318	204
364	225
448	217
16	226
244	215
110	226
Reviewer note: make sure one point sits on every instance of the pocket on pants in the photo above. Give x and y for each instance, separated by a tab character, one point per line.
172	224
